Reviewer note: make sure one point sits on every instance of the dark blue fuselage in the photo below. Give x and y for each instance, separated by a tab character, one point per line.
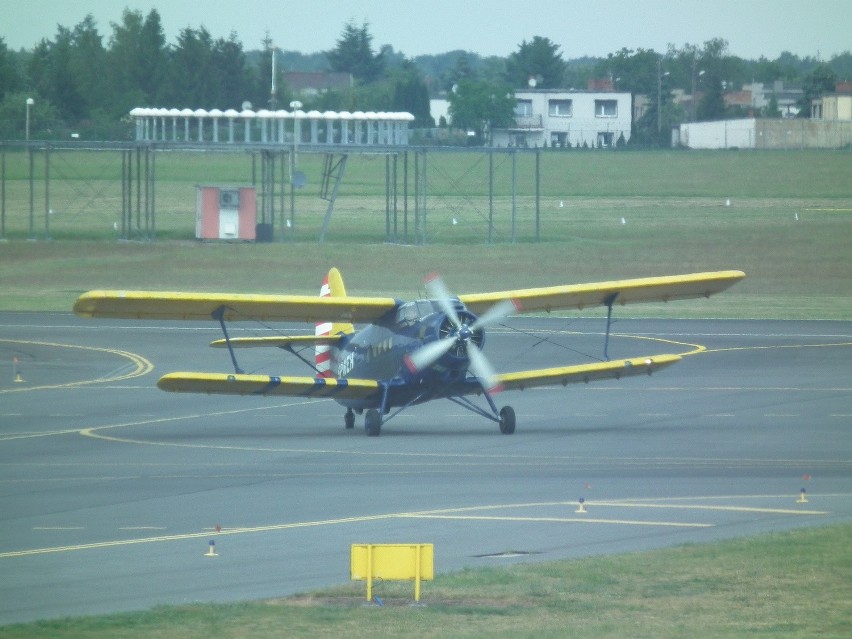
378	352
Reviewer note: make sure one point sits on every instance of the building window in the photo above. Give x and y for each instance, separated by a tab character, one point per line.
560	108
605	139
606	108
523	108
558	139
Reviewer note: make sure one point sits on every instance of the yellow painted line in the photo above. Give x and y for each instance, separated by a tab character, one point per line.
561	520
735	509
202	535
694	348
141	366
776	347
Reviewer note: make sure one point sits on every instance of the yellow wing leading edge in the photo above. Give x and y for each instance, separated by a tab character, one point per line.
620	292
241	384
158	305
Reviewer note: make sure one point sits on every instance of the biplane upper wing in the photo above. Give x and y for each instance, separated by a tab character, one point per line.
232	306
241	384
580	296
584	373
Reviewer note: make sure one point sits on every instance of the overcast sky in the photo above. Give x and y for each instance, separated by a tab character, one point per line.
487	27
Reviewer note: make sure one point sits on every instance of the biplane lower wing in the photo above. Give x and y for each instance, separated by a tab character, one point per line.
351	389
241	384
584	373
282	341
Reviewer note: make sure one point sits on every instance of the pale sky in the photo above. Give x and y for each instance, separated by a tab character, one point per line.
488	27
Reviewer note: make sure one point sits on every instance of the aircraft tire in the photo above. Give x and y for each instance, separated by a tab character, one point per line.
507	420
349	419
373	423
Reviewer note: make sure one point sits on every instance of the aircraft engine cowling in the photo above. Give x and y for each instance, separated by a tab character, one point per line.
454	346
463	334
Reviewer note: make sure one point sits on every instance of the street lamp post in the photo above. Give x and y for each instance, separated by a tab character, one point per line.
660	75
695	76
295	105
30	103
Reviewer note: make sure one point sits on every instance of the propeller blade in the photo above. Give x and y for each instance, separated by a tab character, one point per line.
439	291
429	353
481	367
500	310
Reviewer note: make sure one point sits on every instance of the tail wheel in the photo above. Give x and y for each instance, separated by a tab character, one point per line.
373	423
507	420
349	419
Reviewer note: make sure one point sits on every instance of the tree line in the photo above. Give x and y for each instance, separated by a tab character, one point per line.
83	82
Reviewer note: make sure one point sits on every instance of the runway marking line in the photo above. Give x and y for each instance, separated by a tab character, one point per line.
563	520
461	514
141	366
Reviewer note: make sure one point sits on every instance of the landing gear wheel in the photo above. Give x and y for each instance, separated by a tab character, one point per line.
373	423
507	420
349	419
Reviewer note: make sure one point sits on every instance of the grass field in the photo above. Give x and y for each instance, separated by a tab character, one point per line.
793	584
783	217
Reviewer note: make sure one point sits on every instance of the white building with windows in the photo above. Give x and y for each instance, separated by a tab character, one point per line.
557	118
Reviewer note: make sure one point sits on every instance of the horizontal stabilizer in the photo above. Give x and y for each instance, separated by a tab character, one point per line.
584	373
239	384
281	341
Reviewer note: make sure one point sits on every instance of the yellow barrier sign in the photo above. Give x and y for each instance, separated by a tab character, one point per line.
392	562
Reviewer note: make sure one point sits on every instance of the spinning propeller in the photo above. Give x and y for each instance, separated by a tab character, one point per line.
461	335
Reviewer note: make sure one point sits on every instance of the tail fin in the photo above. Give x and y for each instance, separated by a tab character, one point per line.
332	286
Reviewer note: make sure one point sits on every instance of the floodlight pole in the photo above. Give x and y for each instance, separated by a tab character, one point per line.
295	105
30	103
660	75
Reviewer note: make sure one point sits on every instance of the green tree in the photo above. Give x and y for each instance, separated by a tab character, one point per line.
631	70
771	109
86	64
207	73
44	118
354	54
480	107
229	65
410	94
10	77
818	82
711	106
539	59
52	76
137	62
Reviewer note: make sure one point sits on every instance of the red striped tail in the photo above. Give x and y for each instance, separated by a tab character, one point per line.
332	286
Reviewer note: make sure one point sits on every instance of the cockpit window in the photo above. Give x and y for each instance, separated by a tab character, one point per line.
411	312
407	313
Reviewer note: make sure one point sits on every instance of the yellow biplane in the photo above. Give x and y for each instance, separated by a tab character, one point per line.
408	352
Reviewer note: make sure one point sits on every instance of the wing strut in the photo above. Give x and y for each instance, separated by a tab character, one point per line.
289	348
464	402
609	301
219	315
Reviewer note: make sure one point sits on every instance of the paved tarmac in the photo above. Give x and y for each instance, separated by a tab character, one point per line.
111	490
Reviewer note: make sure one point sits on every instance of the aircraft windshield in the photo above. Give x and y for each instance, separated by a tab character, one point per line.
410	312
